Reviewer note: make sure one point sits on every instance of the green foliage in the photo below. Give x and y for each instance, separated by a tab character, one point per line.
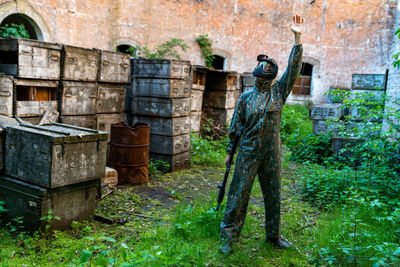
2	209
396	62
206	44
158	167
206	151
309	148
13	30
295	119
48	219
167	50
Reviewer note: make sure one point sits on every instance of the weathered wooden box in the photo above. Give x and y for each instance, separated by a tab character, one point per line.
164	88
31	59
110	98
89	121
5	122
169	144
165	126
325	111
31	97
248	81
195	120
196	100
221	116
114	67
80	64
30	202
160	68
104	121
177	162
163	107
199	78
78	98
323	127
222	80
55	155
220	99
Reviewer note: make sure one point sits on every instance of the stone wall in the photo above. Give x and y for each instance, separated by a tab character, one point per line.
340	37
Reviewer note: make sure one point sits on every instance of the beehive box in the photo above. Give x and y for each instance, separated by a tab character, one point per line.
220	99
177	162
31	59
30	202
222	80
110	98
195	120
165	126
89	121
104	121
80	64
164	88
114	67
55	155
163	107
171	145
221	116
196	100
160	68
78	98
5	122
248	81
31	97
199	78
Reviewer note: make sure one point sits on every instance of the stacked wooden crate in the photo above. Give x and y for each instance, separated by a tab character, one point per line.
248	81
58	171
161	91
196	98
220	96
30	79
321	113
78	87
93	87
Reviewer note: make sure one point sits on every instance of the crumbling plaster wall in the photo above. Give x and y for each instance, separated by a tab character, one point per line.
341	36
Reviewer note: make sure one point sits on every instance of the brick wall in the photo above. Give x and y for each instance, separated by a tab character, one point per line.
393	86
340	37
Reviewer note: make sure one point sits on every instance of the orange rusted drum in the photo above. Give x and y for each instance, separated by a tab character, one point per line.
129	152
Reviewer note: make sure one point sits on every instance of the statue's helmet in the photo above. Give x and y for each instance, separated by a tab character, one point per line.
267	67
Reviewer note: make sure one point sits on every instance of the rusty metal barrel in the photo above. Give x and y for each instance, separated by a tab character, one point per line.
129	152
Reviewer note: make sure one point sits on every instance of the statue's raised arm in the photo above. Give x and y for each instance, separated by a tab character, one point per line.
295	59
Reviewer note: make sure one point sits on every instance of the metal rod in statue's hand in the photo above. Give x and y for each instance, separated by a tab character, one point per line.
222	186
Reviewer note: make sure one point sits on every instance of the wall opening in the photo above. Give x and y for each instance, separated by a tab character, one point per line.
302	85
123	48
30	25
218	62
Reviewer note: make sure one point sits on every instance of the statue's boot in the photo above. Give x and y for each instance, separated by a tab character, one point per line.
226	246
280	242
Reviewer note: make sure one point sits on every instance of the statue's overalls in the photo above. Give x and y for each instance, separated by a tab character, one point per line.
258	114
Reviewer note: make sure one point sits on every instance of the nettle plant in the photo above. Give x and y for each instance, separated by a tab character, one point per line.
206	44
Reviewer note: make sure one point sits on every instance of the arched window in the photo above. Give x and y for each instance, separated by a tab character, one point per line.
30	25
218	62
124	49
302	85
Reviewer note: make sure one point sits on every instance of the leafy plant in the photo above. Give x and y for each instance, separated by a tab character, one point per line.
396	62
158	166
14	30
2	209
206	44
206	151
48	219
167	50
295	119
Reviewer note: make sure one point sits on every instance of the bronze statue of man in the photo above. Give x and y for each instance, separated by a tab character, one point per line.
258	117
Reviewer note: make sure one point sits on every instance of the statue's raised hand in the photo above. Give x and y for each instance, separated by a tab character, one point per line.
297	25
296	28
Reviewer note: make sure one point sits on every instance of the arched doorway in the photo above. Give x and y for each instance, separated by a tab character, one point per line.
30	25
302	85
